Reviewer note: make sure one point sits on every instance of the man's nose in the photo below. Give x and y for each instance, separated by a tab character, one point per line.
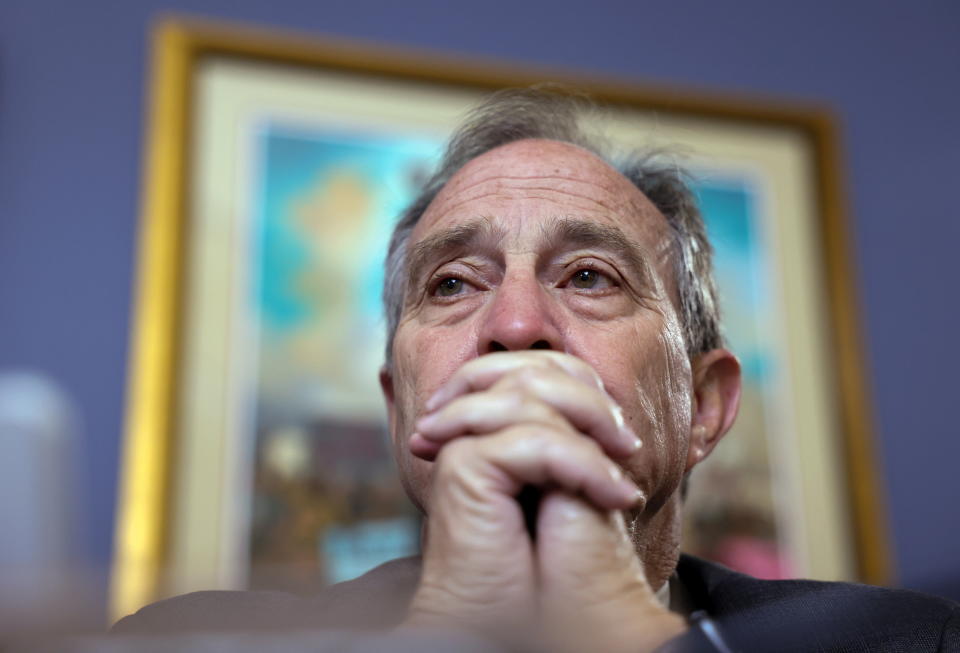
522	315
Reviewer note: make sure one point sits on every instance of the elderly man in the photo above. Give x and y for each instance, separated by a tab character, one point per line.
554	371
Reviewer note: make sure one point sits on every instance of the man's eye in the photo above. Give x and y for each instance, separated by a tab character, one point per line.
589	279
449	286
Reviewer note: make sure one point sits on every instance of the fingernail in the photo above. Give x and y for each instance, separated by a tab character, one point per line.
632	440
618	416
631	444
631	492
421	447
416	440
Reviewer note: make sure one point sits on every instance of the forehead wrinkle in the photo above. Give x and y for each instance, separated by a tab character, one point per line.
605	181
609	180
497	176
547	193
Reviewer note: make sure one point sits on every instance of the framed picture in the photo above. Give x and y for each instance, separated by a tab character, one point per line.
256	453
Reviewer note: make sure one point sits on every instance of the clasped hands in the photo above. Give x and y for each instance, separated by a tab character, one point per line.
511	420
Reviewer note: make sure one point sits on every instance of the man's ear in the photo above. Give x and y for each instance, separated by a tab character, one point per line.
386	385
716	391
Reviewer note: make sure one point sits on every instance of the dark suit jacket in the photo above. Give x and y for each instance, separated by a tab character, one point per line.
751	614
804	615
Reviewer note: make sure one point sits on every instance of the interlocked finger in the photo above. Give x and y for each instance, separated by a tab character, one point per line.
531	454
538	394
483	372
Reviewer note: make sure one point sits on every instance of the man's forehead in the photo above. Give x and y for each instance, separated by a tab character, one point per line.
536	157
536	175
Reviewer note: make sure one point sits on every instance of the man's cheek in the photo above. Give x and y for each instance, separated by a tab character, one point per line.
415	476
657	467
439	353
645	468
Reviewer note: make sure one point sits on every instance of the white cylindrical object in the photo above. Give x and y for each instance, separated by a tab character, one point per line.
39	520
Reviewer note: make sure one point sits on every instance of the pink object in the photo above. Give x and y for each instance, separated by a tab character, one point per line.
753	556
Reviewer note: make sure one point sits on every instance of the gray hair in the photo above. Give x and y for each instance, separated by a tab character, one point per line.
517	114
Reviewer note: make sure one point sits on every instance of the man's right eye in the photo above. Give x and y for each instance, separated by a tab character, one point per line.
449	286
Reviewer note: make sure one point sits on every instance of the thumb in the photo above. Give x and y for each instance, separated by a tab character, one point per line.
592	585
587	551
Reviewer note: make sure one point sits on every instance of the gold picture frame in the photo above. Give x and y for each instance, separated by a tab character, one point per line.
154	452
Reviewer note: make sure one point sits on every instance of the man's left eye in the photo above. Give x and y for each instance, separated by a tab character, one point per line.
588	279
449	286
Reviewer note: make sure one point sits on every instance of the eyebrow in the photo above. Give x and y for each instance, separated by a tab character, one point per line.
476	234
561	234
567	232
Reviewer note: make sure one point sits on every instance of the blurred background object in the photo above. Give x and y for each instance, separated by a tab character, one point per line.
72	119
38	488
44	574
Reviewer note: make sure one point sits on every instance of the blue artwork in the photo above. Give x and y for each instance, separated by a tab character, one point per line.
324	483
741	268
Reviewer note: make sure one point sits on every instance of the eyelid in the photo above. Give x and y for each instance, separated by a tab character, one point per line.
598	266
441	274
437	279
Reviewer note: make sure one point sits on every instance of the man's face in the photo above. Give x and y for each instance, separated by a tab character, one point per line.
540	244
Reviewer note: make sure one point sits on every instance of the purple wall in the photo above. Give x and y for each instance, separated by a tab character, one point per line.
71	102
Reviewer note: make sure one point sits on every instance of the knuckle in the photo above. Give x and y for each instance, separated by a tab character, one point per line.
539	381
556	450
555	361
567	446
526	432
548	415
454	455
566	362
529	439
528	375
508	383
545	431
